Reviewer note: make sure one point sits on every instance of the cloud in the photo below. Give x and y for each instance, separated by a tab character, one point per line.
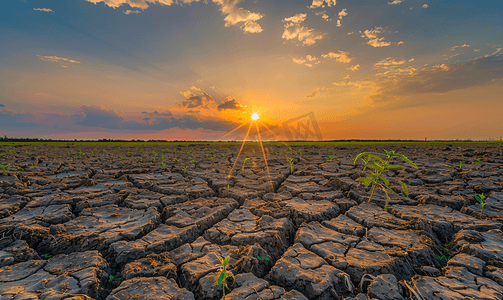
128	12
318	92
1	105
195	88
397	91
341	56
57	59
299	61
318	3
311	58
390	61
350	33
324	15
100	116
354	68
234	15
373	40
425	6
298	18
342	13
293	30
231	103
396	2
44	9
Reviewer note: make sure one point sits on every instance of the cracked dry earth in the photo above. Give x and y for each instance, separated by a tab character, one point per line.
111	222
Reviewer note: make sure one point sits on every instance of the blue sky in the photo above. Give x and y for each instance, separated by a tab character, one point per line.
187	68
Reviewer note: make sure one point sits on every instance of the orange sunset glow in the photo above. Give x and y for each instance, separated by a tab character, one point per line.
197	70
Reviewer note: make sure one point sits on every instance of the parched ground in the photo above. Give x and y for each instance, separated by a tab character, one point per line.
152	221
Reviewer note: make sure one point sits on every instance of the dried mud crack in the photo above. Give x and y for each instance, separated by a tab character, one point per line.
151	222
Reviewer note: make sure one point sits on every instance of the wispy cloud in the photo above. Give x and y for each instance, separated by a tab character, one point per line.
425	6
392	90
128	12
341	56
373	40
234	15
293	30
342	13
44	9
317	92
322	3
354	68
324	15
57	59
396	2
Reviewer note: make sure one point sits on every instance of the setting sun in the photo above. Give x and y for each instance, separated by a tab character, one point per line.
254	116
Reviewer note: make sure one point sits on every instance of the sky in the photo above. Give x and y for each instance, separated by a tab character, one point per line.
198	69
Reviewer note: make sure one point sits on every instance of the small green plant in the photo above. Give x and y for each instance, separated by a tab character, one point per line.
330	157
444	258
162	157
163	164
290	161
128	153
176	159
141	150
208	156
263	258
481	198
113	278
46	256
155	154
460	164
188	151
477	161
244	162
92	153
300	151
222	274
184	168
4	168
378	166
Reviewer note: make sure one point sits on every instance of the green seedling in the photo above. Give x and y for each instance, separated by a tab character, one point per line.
481	198
163	164
193	160
113	278
378	166
155	154
208	156
290	161
263	258
184	168
92	153
444	258
188	151
141	150
460	164
82	153
244	162
331	150
448	166
222	274
176	159
228	187
300	151
4	168
46	256
104	150
128	153
162	157
477	161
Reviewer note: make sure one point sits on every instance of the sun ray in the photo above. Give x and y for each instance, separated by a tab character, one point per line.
265	159
280	140
232	130
239	153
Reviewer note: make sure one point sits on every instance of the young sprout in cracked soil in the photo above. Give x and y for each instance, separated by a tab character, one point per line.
481	198
222	274
377	166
